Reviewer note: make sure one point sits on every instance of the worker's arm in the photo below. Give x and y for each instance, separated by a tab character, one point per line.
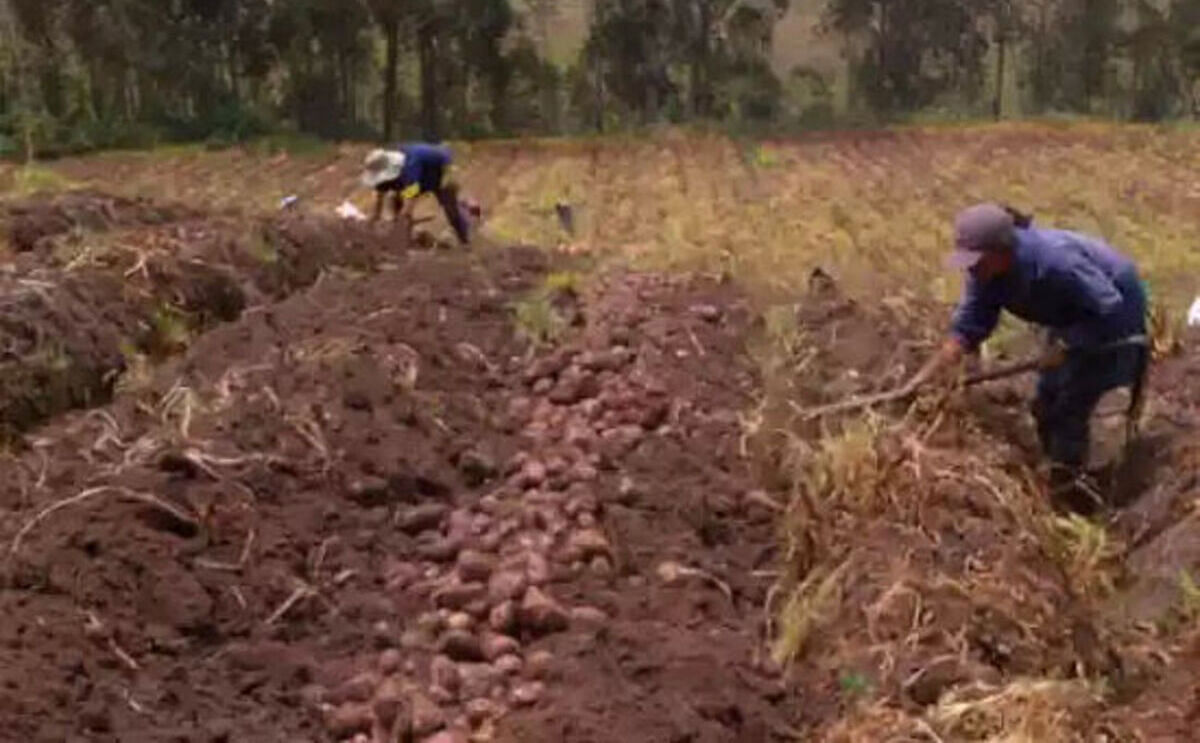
406	200
379	197
976	317
948	355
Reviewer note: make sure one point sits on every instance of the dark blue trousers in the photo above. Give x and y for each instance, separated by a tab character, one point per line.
447	196
1068	394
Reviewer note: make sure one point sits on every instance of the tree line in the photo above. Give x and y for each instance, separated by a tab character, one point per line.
83	74
1133	59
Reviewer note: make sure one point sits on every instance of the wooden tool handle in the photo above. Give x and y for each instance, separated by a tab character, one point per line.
860	403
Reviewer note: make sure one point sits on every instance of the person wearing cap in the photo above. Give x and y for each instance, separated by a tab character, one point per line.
410	171
1089	297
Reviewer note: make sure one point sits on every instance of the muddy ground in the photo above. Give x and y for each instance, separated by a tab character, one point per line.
359	504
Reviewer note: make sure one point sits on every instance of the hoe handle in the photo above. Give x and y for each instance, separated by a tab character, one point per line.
860	403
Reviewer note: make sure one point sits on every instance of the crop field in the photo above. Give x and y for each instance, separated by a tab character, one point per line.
272	475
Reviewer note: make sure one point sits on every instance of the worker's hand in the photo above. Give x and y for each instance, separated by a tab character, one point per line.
908	389
950	353
972	363
1054	355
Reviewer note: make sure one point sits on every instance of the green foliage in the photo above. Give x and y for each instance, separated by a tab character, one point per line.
169	332
78	76
1189	596
661	61
115	73
32	179
855	685
922	48
808	98
538	317
291	143
562	281
537	321
262	250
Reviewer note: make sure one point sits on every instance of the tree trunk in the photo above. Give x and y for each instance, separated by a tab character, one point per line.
598	91
998	102
701	94
884	73
500	80
427	58
127	94
235	81
391	33
346	109
1041	89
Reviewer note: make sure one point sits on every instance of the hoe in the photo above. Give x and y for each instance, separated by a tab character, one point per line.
867	401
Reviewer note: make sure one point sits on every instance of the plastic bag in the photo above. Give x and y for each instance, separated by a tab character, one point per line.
346	210
1193	319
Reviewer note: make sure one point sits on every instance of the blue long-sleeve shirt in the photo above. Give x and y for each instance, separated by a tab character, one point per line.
424	167
1084	291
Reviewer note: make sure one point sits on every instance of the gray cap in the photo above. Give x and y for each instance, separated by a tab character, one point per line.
978	229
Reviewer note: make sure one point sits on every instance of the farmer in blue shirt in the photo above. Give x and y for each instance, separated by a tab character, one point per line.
409	171
1087	294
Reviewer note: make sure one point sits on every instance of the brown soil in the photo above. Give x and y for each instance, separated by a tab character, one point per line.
355	505
943	577
678	660
78	305
294	437
335	449
28	222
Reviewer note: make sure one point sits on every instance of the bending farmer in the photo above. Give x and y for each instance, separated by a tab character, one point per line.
1087	294
410	171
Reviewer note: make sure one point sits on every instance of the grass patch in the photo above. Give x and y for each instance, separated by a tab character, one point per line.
805	607
137	373
1022	711
538	322
1086	553
290	143
169	333
1189	598
562	281
27	180
262	250
545	314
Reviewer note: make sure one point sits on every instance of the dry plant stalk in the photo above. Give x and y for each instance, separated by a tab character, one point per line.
180	399
303	591
150	500
806	606
313	587
1022	711
227	566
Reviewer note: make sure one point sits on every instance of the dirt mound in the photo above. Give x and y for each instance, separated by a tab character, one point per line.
678	653
366	506
29	221
929	587
234	531
82	310
63	345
